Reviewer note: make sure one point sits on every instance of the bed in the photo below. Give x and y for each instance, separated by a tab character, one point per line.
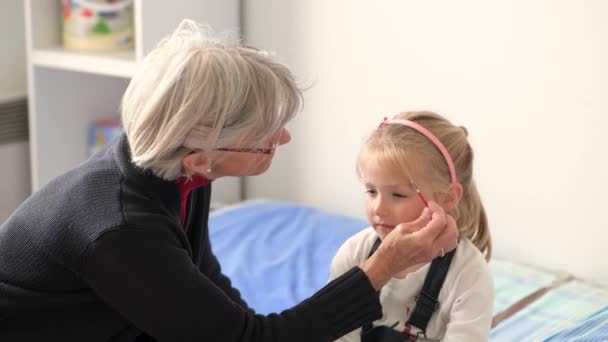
279	253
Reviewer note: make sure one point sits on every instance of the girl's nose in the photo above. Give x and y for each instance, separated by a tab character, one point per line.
380	207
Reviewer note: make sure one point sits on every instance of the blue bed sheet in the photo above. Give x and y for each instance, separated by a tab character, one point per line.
276	253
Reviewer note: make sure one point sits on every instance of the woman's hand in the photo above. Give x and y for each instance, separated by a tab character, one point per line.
419	241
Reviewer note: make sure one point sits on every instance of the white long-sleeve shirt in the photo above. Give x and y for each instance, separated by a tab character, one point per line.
465	300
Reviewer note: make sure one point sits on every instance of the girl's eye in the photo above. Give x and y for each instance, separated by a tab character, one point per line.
370	192
398	195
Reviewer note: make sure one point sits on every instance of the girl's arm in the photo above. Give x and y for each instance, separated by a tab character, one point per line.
470	318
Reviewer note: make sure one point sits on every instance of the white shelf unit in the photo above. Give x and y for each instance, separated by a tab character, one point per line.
68	90
119	64
14	154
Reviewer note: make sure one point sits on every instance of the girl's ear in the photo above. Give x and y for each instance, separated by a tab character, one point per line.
452	196
196	163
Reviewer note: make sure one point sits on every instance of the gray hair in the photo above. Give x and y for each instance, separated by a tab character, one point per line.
197	91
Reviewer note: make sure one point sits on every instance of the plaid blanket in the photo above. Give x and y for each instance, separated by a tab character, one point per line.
514	281
594	328
574	311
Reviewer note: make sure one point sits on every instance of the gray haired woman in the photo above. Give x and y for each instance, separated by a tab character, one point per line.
117	249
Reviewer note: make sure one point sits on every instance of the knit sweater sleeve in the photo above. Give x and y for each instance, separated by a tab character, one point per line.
212	269
147	277
351	253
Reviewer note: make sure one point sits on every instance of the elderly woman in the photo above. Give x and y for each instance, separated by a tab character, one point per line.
118	249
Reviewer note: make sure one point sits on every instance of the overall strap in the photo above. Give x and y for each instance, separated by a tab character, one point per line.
426	301
374	247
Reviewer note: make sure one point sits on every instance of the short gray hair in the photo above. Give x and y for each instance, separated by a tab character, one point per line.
197	91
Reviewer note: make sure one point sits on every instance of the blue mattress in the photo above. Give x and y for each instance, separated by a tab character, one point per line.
277	254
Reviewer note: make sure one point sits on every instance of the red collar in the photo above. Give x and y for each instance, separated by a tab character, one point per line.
186	185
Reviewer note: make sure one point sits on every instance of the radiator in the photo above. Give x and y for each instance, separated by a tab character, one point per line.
14	154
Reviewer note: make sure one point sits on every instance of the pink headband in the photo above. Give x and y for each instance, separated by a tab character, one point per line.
431	137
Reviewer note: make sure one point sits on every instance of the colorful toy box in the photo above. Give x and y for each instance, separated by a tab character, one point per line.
101	132
97	25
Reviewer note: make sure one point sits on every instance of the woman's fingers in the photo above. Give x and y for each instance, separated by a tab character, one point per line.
439	236
432	227
411	243
421	221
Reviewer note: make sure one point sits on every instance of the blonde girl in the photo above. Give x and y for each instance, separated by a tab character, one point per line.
407	160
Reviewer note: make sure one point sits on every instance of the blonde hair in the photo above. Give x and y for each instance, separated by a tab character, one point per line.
417	157
197	91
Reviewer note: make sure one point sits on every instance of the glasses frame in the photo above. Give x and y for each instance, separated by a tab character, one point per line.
254	150
248	150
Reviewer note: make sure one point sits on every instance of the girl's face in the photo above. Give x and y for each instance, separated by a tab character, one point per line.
390	198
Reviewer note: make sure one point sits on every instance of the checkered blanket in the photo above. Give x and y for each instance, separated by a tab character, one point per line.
514	281
574	311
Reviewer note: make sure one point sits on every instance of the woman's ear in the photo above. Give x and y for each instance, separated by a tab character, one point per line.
196	163
452	196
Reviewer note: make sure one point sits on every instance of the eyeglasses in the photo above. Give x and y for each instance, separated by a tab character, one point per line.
248	150
268	150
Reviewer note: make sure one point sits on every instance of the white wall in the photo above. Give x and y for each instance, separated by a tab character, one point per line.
12	60
15	181
529	79
14	185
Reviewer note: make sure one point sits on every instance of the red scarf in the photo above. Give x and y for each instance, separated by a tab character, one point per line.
186	185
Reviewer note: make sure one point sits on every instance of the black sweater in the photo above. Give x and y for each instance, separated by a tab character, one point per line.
99	254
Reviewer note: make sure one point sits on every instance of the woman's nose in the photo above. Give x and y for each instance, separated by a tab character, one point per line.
284	137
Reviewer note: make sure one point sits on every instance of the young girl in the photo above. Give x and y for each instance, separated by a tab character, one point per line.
411	159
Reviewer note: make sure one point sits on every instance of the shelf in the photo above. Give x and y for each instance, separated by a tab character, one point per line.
68	90
120	64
